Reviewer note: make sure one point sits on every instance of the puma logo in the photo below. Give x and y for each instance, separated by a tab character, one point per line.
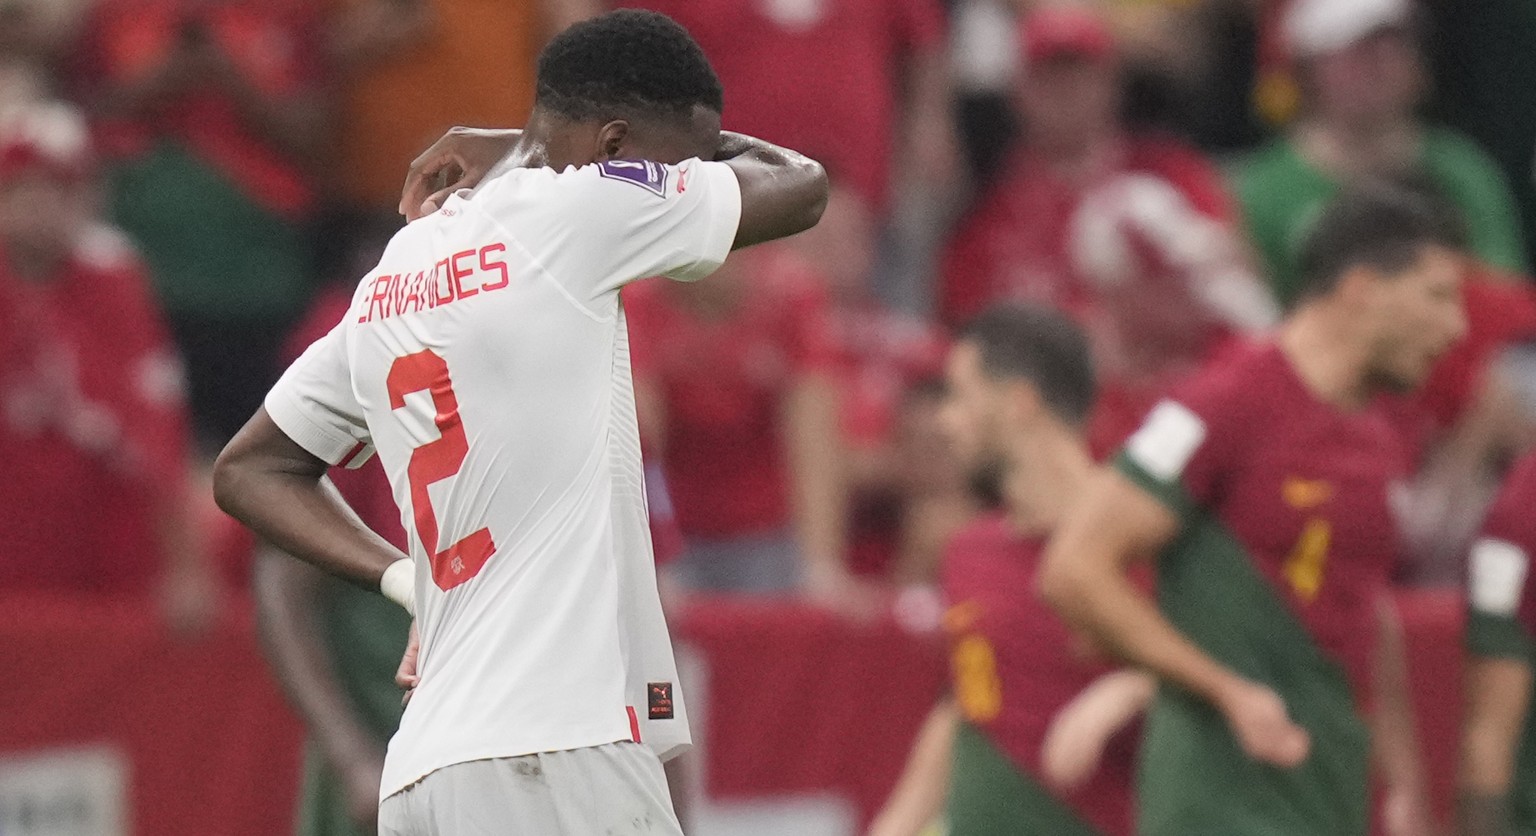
1306	494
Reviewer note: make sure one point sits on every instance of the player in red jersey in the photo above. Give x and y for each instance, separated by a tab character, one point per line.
1264	487
1497	776
1027	743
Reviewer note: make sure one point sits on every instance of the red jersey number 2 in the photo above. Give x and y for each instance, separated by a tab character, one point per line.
435	461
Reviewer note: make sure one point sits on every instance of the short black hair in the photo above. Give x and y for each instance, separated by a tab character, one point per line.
1043	347
1379	224
625	63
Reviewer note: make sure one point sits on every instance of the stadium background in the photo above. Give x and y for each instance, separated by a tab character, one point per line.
247	158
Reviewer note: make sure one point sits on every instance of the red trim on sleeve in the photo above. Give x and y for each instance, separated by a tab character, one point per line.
346	461
634	723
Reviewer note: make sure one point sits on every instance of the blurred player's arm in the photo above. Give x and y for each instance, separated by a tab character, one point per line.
1496	699
1084	578
190	590
1394	738
1075	742
1495	427
286	592
156	446
918	798
818	489
275	487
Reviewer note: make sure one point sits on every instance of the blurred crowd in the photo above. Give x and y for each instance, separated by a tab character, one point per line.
190	188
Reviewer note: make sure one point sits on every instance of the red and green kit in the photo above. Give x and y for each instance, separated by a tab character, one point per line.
1501	612
1286	543
1015	666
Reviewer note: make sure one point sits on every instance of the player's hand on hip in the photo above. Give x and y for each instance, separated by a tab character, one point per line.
405	675
459	160
1264	729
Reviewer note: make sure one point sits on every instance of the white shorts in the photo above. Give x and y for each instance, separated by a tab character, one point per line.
618	788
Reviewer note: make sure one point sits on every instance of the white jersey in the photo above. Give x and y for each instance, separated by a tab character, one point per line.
486	360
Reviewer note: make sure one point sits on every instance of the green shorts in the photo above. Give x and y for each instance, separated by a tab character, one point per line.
989	796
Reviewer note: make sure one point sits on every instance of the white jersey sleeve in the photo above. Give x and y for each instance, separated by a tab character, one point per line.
315	405
621	220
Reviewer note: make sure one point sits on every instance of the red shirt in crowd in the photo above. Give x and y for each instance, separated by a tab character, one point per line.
1015	664
1281	470
93	429
820	76
271	45
724	379
1123	250
881	355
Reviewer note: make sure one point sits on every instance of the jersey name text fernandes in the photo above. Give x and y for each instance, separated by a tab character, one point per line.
486	359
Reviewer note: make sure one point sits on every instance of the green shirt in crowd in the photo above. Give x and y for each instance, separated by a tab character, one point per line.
213	251
1280	193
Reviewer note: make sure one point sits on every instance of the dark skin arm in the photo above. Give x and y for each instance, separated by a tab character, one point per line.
286	612
782	192
276	488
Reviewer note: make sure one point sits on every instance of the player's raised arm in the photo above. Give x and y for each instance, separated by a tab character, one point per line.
782	192
1084	577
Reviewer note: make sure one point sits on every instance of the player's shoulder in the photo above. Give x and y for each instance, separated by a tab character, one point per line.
609	180
1244	374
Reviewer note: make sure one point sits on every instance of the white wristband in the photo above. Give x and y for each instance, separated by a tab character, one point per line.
399	584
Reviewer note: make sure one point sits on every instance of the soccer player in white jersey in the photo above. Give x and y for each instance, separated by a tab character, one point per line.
486	361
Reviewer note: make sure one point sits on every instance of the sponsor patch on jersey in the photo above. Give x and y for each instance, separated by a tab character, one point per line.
659	700
643	173
1167	441
1497	576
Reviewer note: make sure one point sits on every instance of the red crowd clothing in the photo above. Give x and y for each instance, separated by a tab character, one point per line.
270	44
880	356
1499	312
819	76
366	488
1091	248
1022	241
724	380
1283	470
94	426
1016	664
